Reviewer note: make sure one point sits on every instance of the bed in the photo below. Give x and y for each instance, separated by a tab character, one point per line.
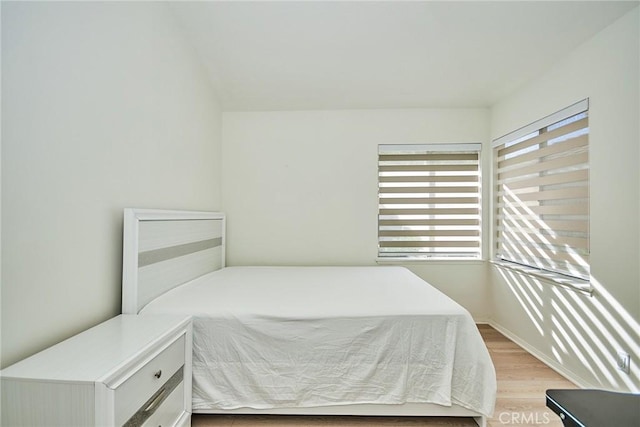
374	340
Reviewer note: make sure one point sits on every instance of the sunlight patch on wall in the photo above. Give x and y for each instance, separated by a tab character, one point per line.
517	286
585	333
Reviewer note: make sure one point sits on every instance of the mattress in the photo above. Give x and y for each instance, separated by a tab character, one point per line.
282	337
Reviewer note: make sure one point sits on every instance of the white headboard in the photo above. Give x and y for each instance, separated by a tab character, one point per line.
163	249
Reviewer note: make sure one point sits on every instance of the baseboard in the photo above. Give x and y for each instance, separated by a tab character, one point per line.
560	369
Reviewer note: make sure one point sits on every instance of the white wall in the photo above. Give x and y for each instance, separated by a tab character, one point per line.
578	334
104	106
301	187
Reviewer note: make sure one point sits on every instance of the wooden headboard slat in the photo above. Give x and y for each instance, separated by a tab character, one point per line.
163	254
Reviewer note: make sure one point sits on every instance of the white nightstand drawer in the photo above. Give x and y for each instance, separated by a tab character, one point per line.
131	395
169	411
165	407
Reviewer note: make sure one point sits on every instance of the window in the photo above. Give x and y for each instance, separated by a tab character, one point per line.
429	201
542	195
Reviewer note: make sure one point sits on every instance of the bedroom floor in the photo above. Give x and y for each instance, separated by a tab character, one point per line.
522	381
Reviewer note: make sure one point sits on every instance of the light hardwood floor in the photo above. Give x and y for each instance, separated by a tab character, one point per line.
522	381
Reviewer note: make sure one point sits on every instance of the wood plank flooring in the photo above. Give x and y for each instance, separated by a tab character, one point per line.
522	381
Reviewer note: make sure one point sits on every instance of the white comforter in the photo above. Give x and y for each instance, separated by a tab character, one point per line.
272	337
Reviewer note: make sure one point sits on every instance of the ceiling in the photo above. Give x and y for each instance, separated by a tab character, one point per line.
302	55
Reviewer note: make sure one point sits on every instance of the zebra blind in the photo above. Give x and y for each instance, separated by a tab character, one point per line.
542	181
429	201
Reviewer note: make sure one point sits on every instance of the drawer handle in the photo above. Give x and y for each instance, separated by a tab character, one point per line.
155	402
158	374
159	397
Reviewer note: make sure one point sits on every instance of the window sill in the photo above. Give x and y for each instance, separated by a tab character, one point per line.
423	260
577	285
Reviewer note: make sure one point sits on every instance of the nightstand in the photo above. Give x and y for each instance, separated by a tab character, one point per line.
131	370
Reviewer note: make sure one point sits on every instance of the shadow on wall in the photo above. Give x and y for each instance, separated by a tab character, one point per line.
578	334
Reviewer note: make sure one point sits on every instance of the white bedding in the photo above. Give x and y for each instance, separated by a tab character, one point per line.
279	337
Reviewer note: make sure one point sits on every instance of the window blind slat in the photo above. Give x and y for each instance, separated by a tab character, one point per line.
430	211
564	258
430	190
456	157
564	209
428	168
556	178
428	243
429	178
544	240
573	192
523	221
580	142
425	233
428	222
545	166
429	200
544	137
